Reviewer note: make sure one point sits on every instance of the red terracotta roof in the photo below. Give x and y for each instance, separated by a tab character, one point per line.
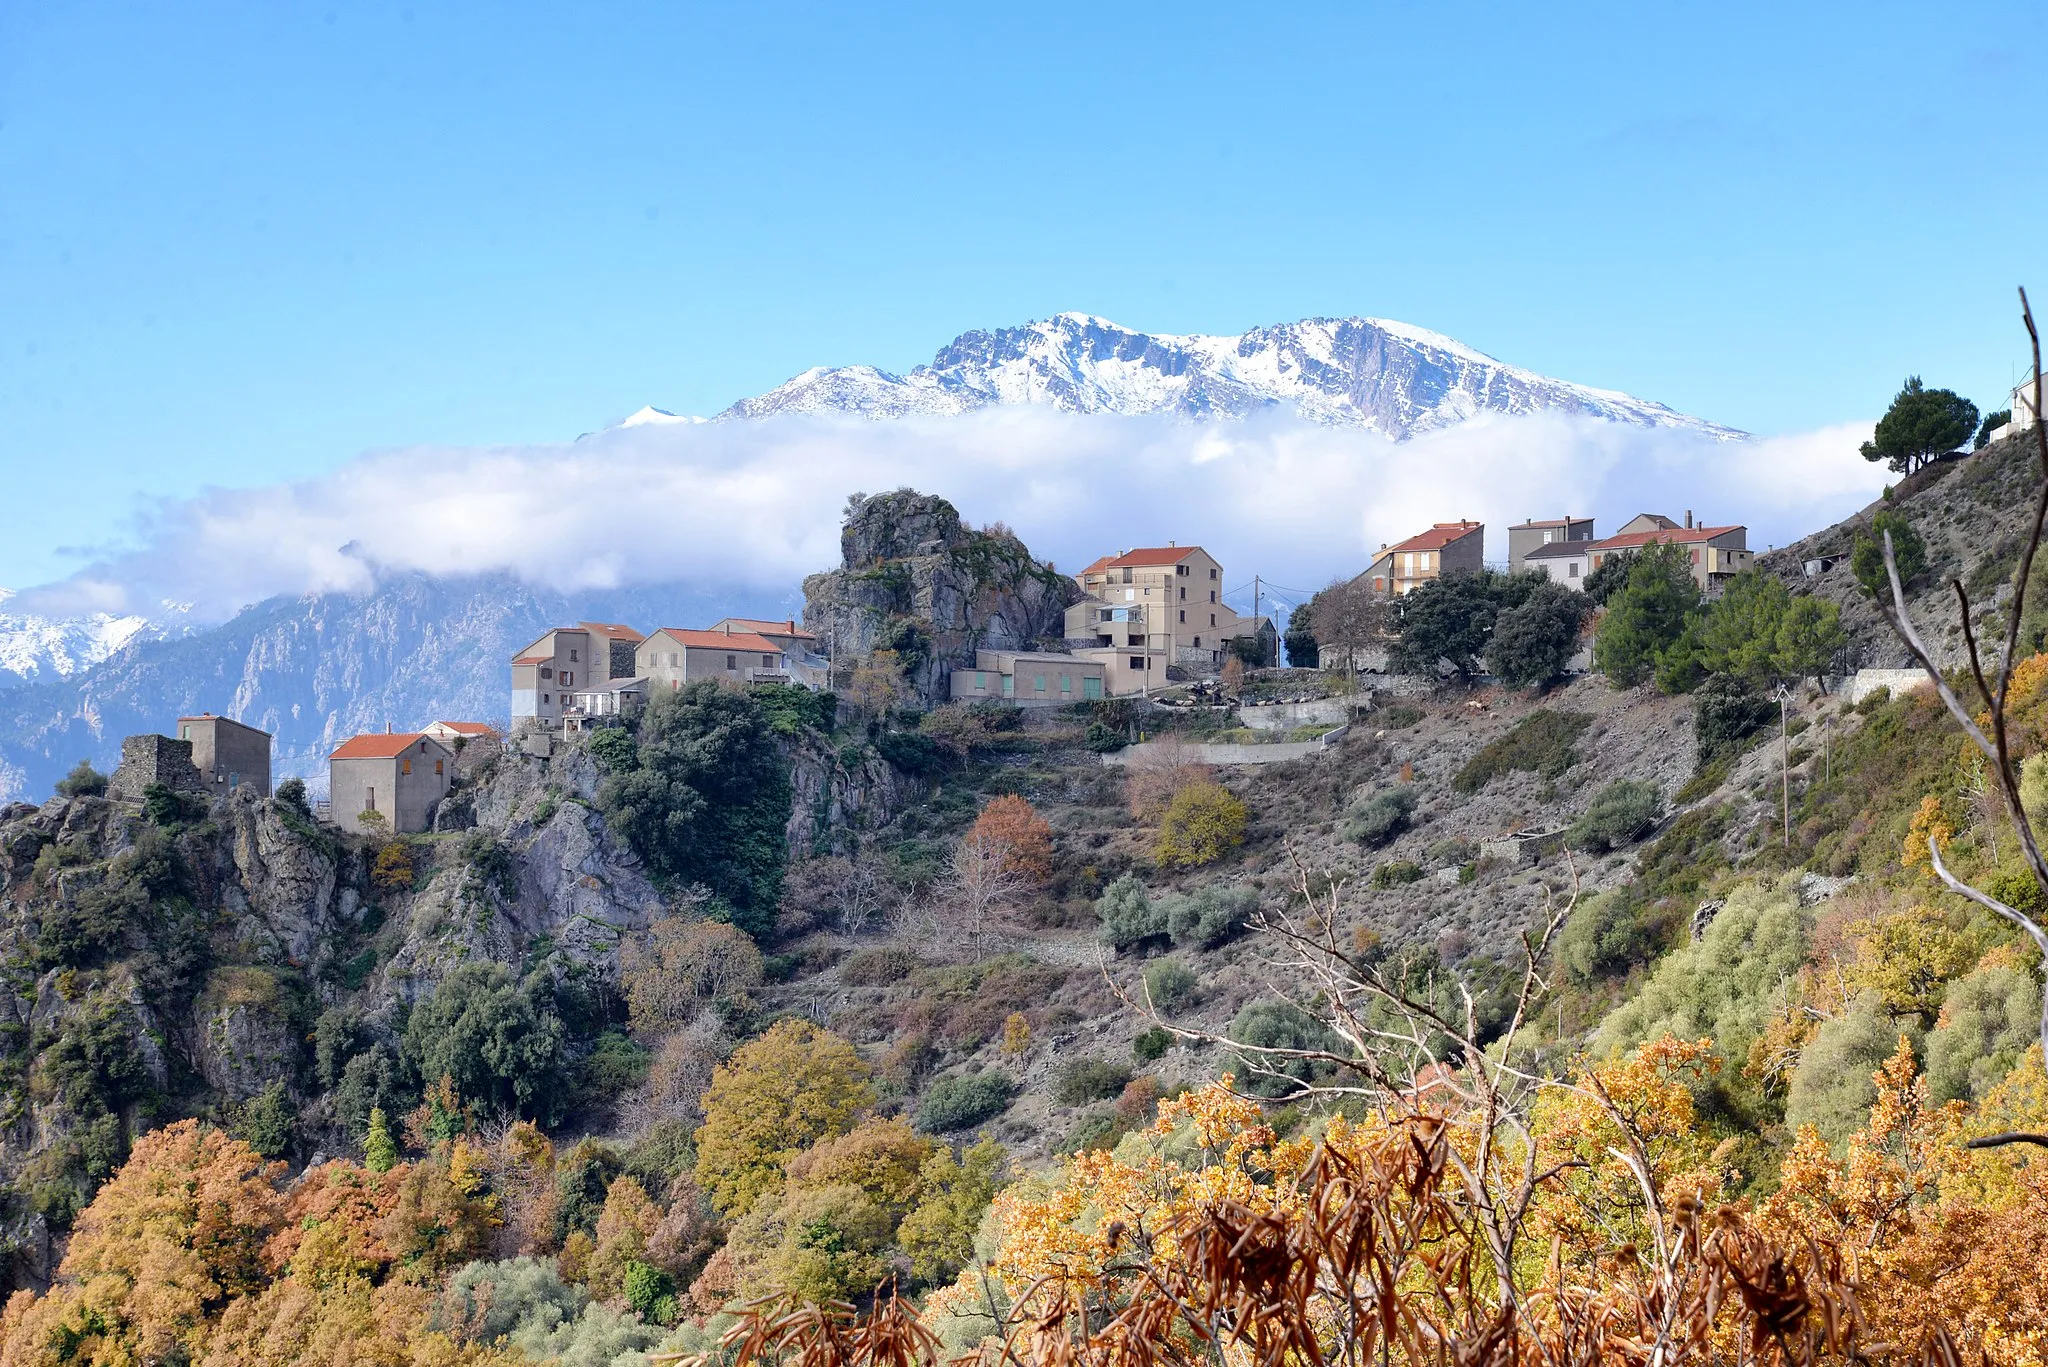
1437	537
785	627
533	659
612	631
1153	556
1675	535
380	745
719	640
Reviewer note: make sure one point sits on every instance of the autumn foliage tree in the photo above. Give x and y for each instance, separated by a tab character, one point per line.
777	1095
1023	837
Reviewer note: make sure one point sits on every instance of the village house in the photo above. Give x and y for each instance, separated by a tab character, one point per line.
400	776
674	656
603	704
798	645
1151	609
545	673
1525	538
1717	554
227	754
1443	549
1028	678
1565	562
452	733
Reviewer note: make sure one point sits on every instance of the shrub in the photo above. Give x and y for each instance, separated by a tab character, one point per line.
1127	915
495	1039
1543	742
1866	556
1832	1088
1088	1079
1727	712
1988	1020
392	871
1396	872
614	750
1152	1043
1606	936
1270	1024
82	781
1395	717
264	1122
1169	982
956	1103
1203	823
291	794
914	754
1209	916
1620	814
614	1066
1375	819
1534	640
486	1302
792	708
878	967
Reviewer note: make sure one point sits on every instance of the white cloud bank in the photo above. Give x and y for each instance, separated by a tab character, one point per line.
757	504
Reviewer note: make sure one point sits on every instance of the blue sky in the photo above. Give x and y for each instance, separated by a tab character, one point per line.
244	244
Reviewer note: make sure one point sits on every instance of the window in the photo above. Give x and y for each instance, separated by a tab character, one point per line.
1066	685
545	698
1212	595
1038	683
1180	569
437	766
184	733
1130	594
1572	570
1137	662
1134	640
567	678
1127	574
732	662
1198	643
406	766
1183	614
1009	685
981	681
1695	557
1183	595
1212	571
370	801
572	657
1212	619
546	673
767	662
1105	615
1549	537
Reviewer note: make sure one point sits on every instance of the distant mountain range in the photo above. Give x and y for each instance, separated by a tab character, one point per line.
1388	377
317	668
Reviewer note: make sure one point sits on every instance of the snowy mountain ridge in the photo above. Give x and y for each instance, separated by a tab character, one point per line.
36	647
1389	377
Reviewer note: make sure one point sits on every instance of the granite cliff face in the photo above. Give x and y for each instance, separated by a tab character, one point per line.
913	579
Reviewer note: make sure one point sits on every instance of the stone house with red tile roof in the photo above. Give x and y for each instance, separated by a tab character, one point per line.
1717	554
1444	548
674	656
401	775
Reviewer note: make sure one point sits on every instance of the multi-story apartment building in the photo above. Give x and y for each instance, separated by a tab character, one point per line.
1150	609
546	673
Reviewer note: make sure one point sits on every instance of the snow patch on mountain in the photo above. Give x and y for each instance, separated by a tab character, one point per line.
1388	377
36	647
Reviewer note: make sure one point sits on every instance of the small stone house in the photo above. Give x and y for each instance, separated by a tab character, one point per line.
228	755
150	758
403	776
674	656
1028	679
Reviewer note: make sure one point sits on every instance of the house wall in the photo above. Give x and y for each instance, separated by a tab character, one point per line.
1033	680
228	754
1522	540
667	664
151	759
406	787
1181	608
538	690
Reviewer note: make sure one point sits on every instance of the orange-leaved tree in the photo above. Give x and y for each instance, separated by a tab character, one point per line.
1020	833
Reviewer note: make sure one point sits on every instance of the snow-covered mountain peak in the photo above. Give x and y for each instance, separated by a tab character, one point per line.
1386	376
33	646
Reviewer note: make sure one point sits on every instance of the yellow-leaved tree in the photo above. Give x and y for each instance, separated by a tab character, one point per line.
776	1096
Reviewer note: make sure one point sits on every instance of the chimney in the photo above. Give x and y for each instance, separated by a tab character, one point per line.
387	728
1688	519
791	625
1172	545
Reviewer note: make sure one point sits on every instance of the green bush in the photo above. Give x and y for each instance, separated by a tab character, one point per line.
492	860
499	1042
1620	814
913	753
1395	717
1866	556
1606	936
1988	1020
1375	819
486	1302
82	781
614	750
1208	916
264	1122
1127	915
792	708
1152	1043
651	1291
1396	872
614	1066
1169	982
1088	1079
1534	640
291	794
1543	742
708	801
957	1103
1727	712
1270	1024
1832	1088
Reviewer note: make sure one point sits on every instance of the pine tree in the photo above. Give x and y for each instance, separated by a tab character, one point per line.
1921	425
380	1151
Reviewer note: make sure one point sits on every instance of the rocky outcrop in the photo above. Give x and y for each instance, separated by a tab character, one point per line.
914	580
837	795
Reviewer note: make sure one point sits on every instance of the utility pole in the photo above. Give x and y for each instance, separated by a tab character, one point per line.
1785	762
1827	746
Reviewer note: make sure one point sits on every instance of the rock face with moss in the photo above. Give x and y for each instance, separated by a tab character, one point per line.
914	580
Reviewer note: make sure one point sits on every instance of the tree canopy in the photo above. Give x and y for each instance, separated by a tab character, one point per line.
1921	425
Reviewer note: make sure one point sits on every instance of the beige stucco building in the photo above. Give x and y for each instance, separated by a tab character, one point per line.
674	656
1029	678
402	776
1717	554
1150	609
548	671
227	754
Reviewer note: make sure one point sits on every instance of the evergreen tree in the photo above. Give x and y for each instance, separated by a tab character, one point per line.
1921	425
380	1151
1809	638
1534	640
1448	621
1647	616
1866	558
1302	649
1738	635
